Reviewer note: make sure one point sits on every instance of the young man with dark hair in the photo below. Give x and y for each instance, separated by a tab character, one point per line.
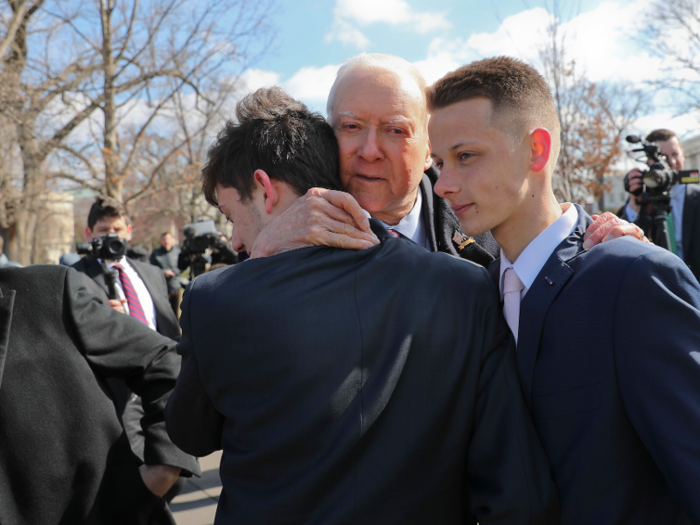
614	397
339	388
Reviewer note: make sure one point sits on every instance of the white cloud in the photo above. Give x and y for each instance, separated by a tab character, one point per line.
311	85
253	79
350	13
347	34
599	40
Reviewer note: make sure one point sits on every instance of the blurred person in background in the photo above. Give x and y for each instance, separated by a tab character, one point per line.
684	218
166	258
143	295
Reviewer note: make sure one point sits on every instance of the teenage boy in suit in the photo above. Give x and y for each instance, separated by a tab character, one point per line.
607	338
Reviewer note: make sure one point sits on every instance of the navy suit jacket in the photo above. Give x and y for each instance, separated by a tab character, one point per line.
691	227
609	362
350	387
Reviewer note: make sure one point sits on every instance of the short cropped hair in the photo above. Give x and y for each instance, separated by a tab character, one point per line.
661	135
379	62
279	135
106	207
514	88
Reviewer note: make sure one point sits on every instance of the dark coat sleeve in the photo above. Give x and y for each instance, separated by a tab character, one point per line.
192	421
115	345
507	467
657	356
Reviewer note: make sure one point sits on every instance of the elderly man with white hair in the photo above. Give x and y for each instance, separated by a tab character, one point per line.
377	108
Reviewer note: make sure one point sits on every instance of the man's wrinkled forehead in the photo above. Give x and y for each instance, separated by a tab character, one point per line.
409	97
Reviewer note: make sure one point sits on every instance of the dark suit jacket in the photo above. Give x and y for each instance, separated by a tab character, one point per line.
441	224
345	386
64	457
691	227
152	277
167	260
609	365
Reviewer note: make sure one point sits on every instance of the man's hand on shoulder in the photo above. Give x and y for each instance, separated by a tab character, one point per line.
608	227
117	304
320	218
159	478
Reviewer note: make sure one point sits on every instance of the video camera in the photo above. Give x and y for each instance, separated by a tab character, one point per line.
109	247
659	178
655	199
199	236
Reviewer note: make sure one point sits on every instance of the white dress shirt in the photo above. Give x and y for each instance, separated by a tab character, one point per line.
535	255
412	226
677	202
145	298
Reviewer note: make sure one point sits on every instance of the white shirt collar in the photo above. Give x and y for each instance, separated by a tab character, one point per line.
411	226
535	255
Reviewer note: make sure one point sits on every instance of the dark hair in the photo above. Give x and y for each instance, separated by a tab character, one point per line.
508	83
661	135
106	207
279	135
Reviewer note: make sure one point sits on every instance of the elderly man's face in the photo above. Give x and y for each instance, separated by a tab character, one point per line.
380	123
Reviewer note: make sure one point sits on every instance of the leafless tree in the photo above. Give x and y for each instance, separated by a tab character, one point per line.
671	31
85	83
593	118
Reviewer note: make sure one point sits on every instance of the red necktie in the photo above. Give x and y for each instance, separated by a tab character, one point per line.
132	300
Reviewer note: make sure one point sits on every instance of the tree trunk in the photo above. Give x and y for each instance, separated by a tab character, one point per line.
113	182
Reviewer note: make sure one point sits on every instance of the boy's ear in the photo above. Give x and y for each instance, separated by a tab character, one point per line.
270	195
541	149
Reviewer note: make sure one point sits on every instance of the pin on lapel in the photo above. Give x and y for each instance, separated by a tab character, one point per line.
461	240
549	281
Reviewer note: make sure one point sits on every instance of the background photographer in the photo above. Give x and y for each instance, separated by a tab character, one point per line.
685	212
142	293
203	244
166	258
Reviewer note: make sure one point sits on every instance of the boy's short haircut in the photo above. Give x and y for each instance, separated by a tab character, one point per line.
279	135
519	95
106	207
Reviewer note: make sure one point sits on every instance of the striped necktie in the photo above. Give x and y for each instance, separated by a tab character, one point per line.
394	233
132	299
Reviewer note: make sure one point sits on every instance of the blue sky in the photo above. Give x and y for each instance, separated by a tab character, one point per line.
314	36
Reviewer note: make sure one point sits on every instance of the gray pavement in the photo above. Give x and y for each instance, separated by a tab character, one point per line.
196	504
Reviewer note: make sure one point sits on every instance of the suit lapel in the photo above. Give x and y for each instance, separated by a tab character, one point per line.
539	298
94	270
6	303
427	212
689	209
